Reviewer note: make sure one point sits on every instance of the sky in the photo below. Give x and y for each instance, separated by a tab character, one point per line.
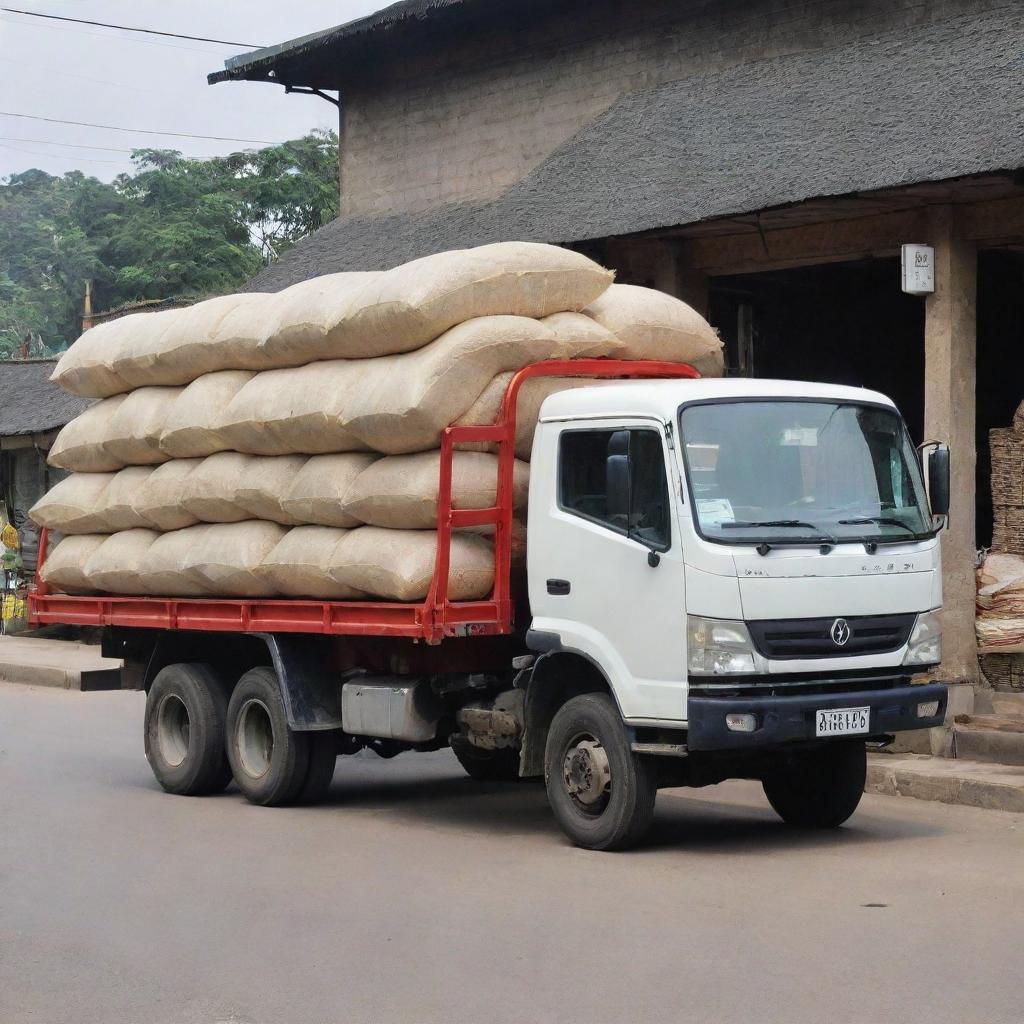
85	73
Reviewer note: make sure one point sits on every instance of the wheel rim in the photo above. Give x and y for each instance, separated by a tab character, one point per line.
174	729
254	737
587	775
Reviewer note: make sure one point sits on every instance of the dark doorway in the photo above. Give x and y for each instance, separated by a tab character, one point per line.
838	323
1000	363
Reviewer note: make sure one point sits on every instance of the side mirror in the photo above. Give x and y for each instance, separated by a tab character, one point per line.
617	477
938	480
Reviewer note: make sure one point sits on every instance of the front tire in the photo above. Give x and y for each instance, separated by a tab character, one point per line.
270	761
487	765
601	793
820	789
186	708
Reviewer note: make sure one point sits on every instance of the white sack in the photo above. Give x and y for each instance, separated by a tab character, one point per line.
74	505
397	565
192	425
64	566
118	503
132	435
162	570
160	497
79	445
316	493
210	491
264	484
301	565
225	558
400	491
653	325
114	566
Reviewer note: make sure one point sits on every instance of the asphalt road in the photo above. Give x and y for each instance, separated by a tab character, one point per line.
417	895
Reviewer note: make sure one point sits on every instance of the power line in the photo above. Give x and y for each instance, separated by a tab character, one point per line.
58	156
129	28
79	32
68	74
68	145
138	131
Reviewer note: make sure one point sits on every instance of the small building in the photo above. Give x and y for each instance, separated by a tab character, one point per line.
761	159
32	411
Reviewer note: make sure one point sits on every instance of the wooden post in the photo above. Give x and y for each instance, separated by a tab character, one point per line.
950	348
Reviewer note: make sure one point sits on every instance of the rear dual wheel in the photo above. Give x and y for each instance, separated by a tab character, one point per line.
273	764
820	789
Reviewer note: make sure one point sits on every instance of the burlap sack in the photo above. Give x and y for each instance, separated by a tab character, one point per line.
301	565
264	484
75	505
411	305
79	445
84	369
191	428
316	493
159	500
298	410
118	502
397	565
162	570
400	491
225	558
64	566
653	325
114	567
309	319
133	433
210	491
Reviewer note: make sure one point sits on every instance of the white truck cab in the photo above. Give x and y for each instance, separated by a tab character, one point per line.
750	564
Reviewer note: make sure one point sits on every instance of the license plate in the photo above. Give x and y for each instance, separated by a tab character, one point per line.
842	721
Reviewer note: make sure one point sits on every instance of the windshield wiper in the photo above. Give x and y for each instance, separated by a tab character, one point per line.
742	524
878	520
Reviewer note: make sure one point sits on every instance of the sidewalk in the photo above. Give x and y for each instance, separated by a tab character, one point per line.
62	663
948	780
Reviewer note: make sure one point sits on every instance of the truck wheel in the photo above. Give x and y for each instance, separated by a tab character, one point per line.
821	789
323	759
270	761
184	730
487	765
602	793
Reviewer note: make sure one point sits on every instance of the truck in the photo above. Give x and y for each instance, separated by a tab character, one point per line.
724	578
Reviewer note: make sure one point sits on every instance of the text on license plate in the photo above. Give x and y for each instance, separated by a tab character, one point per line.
842	721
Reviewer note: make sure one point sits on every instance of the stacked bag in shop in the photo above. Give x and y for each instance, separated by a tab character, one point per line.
286	444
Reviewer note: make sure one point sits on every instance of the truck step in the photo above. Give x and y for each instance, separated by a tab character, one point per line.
1011	705
991	738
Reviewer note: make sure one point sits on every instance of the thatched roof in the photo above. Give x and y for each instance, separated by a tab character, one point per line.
940	102
29	403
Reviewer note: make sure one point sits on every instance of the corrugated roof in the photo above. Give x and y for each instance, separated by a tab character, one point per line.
941	102
29	403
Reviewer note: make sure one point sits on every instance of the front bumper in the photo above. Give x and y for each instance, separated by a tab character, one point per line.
788	719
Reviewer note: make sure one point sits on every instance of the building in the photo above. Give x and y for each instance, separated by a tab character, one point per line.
32	411
763	159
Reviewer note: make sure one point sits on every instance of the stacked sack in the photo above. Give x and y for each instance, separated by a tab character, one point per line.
287	444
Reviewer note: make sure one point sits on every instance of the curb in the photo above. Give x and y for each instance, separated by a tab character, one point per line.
949	781
41	675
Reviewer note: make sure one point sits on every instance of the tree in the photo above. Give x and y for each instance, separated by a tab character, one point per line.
174	227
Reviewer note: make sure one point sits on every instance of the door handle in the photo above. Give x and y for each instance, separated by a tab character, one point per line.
559	587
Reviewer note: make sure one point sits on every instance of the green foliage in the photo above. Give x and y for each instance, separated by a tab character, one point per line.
175	227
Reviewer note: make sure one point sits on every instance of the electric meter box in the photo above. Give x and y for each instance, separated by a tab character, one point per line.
918	269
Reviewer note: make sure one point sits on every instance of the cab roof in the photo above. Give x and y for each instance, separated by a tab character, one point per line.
661	398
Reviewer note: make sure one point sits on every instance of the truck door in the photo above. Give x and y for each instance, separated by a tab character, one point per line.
605	559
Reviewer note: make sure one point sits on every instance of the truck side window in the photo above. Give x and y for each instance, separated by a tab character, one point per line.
583	486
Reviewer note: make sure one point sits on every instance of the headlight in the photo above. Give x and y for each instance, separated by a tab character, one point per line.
718	647
925	644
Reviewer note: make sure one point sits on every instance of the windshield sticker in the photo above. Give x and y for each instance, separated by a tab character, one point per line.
802	437
715	510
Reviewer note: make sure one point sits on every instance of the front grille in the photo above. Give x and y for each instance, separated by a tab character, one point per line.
781	639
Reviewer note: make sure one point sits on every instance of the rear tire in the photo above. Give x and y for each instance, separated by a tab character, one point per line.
820	789
602	794
487	765
186	709
270	761
323	759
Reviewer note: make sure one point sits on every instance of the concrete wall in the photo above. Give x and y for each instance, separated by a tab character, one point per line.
466	117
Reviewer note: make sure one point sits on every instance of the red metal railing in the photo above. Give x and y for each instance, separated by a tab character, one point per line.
432	619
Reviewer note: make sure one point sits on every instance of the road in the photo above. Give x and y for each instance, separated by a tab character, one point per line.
416	895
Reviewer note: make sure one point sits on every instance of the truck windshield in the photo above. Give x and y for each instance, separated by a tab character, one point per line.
802	472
